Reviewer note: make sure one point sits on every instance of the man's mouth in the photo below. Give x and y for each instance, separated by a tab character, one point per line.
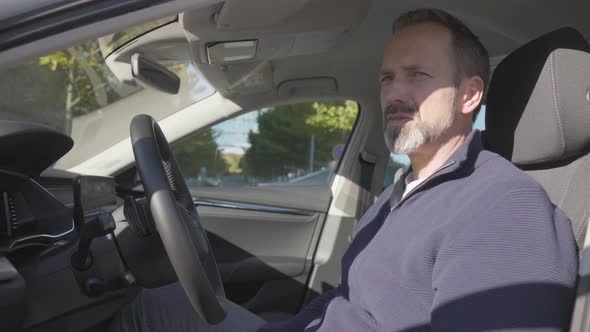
398	118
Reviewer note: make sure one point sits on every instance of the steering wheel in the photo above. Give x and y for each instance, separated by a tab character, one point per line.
177	220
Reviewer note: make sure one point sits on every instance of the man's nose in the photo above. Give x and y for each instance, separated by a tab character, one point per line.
394	92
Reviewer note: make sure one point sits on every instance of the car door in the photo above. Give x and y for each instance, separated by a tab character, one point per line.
261	183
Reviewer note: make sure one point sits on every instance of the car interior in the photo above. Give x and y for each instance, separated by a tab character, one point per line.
233	145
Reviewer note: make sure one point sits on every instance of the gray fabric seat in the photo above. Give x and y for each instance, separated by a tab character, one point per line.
538	116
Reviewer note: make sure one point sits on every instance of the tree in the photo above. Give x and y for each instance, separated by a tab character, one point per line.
59	86
281	143
284	140
88	82
199	151
334	116
82	82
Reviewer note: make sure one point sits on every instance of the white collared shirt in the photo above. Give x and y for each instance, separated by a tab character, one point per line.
411	184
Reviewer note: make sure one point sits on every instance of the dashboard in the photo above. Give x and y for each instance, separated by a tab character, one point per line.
60	263
30	215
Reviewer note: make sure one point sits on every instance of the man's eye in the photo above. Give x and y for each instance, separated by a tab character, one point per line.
386	78
419	74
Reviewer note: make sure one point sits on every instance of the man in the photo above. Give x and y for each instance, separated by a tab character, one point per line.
466	242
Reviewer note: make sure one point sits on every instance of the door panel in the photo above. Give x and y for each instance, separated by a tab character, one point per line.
261	183
260	246
245	240
262	233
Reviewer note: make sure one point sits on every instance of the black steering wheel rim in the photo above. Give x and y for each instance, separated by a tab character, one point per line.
176	219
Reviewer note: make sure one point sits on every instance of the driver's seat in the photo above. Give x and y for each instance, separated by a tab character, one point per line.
538	117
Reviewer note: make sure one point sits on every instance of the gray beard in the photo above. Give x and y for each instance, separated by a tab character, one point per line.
406	139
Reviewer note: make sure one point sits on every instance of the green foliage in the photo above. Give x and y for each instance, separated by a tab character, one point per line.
82	66
90	84
334	116
198	151
284	138
59	59
281	145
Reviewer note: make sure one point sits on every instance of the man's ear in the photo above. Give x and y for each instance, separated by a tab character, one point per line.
472	94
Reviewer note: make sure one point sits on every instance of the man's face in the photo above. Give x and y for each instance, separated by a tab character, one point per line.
418	89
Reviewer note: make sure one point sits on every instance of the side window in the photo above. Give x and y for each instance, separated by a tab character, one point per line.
402	162
288	145
396	163
479	122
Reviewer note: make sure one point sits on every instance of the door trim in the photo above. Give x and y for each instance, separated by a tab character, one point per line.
250	206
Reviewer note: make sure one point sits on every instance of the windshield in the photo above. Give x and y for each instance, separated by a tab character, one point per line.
112	42
74	92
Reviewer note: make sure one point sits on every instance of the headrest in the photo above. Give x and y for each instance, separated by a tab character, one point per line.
538	103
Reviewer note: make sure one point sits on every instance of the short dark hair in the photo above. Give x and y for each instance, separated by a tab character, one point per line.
471	57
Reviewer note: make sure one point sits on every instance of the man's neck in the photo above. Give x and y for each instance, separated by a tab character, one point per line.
428	159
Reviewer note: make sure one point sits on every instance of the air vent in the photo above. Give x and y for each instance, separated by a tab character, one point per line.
12	216
10	226
17	220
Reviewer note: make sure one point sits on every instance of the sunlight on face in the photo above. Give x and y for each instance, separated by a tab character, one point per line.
418	92
407	137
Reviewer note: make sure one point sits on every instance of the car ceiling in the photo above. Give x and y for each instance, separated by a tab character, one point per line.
344	39
305	39
13	8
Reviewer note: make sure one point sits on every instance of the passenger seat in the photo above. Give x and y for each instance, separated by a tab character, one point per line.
538	117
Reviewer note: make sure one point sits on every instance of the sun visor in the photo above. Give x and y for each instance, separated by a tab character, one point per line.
308	87
239	14
240	31
283	16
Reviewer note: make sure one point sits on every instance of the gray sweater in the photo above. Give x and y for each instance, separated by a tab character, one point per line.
478	246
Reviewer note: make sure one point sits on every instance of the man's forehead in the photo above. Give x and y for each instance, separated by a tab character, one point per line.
417	44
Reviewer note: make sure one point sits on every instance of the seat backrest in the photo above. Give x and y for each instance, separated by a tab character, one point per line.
538	117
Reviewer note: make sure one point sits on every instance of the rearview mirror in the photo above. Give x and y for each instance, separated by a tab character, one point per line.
152	74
